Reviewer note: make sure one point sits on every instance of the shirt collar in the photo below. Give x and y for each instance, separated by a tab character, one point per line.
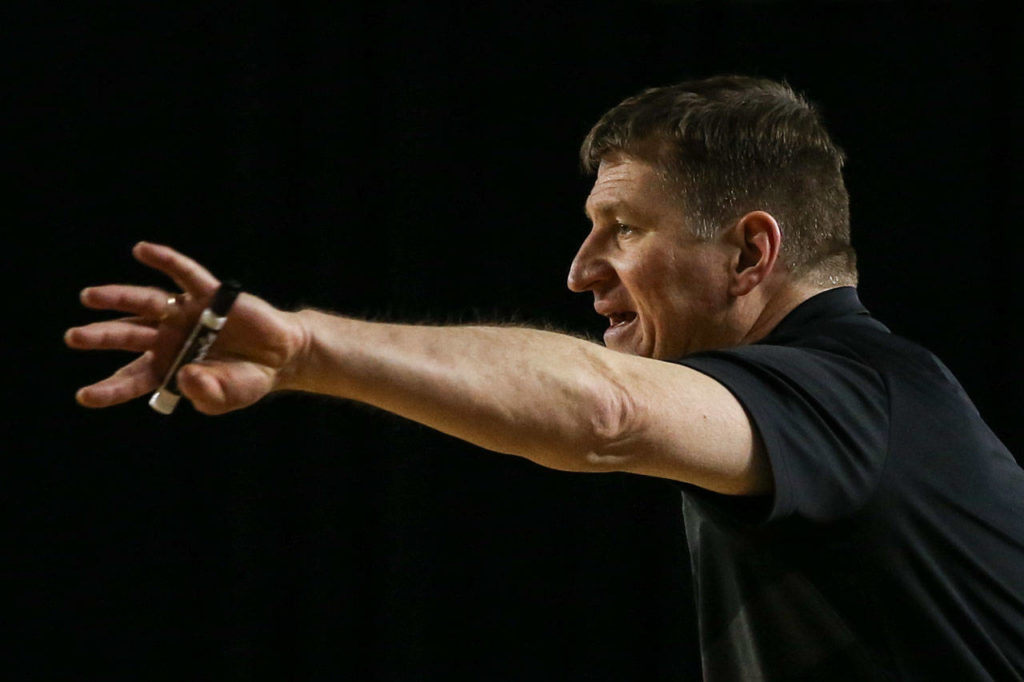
828	305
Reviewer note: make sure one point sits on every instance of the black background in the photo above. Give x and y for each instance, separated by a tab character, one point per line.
417	162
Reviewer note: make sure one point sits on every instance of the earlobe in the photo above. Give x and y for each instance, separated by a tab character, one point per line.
758	239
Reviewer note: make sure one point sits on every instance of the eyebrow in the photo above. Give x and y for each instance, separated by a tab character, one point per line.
604	207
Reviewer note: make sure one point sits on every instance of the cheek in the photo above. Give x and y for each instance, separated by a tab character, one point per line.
655	275
677	292
658	293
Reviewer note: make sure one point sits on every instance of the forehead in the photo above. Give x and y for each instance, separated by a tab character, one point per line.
627	182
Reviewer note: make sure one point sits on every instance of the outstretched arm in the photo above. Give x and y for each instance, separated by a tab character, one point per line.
560	401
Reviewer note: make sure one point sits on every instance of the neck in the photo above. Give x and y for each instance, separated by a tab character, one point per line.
777	305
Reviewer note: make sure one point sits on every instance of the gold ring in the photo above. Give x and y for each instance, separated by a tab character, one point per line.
173	302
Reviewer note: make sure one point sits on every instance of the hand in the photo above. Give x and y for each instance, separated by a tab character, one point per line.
255	350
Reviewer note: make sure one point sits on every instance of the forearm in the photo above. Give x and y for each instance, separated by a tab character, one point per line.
546	396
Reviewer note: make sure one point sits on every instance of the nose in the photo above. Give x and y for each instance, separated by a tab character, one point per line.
589	267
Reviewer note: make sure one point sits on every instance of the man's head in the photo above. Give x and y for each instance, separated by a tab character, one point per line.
693	179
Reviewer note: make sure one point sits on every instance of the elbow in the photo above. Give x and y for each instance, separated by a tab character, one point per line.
612	425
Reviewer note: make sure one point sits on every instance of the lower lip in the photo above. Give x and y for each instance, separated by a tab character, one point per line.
613	335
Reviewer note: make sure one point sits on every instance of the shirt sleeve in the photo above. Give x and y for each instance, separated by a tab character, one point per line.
823	418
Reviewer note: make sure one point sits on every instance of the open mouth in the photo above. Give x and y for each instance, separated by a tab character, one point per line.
621	319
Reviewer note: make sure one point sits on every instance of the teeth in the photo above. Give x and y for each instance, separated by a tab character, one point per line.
617	319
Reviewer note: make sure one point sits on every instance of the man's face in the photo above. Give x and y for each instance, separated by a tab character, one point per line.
663	290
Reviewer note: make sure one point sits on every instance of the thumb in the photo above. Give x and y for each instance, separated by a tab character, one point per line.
203	388
217	386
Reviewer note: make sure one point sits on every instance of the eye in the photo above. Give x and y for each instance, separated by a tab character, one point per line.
624	230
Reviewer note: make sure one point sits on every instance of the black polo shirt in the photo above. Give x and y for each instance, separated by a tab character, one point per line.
893	545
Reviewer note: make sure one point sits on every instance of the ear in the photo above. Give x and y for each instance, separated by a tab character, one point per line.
756	238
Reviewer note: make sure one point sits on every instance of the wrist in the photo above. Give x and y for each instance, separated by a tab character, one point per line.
291	375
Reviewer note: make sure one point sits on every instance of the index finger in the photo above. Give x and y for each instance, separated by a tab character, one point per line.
189	275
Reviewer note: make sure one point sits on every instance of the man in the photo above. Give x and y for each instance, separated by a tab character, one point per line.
848	513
